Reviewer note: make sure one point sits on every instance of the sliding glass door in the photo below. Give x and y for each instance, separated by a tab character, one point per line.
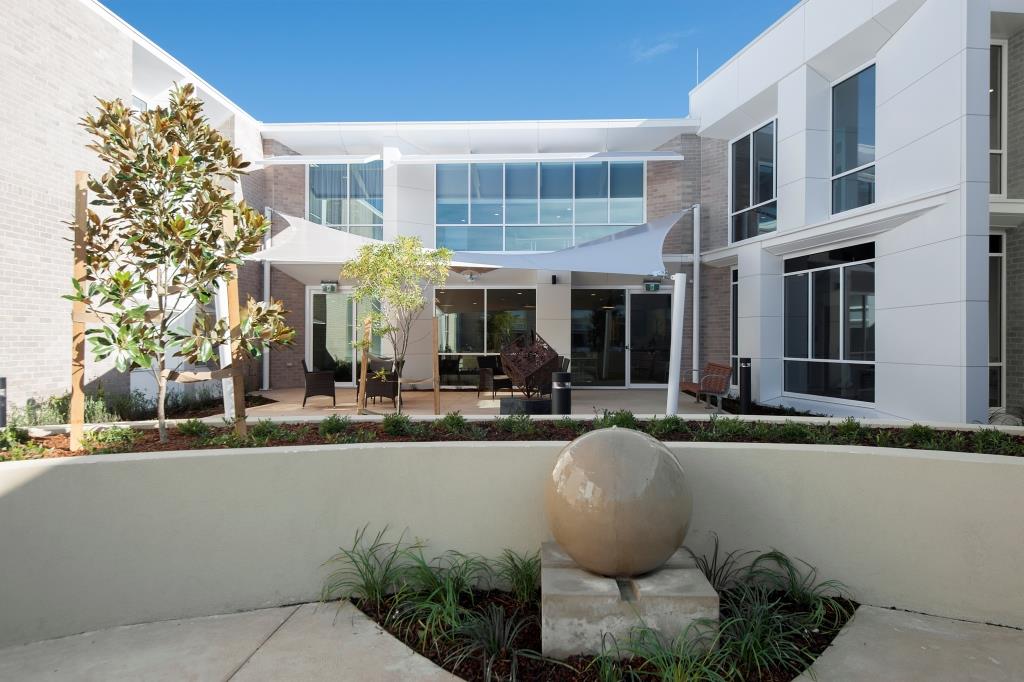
620	337
332	329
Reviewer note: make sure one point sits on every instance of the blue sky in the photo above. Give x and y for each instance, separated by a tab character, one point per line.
381	60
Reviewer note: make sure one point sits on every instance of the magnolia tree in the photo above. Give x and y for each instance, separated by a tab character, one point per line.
392	277
160	249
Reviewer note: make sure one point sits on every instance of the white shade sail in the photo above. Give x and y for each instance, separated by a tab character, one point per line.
634	251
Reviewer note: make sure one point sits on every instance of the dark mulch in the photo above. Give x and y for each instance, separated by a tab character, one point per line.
576	669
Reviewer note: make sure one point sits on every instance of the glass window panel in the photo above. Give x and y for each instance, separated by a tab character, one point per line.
831	379
755	221
452	193
538	237
369	231
511	313
460	315
995	386
485	194
650	337
995	173
796	316
853	122
741	174
995	98
586	233
331	347
627	192
764	163
328	192
367	193
995	243
463	238
521	193
825	314
598	328
591	190
859	290
995	309
556	193
853	190
847	254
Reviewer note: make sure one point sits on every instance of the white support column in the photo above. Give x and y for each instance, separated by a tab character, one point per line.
695	345
227	386
675	357
267	242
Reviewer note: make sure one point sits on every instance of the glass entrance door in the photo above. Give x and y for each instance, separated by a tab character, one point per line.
599	345
332	330
650	334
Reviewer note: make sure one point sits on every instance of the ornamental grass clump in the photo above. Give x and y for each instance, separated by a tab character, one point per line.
158	245
520	573
624	419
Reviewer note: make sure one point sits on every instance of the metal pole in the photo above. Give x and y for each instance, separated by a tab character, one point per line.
744	385
695	346
3	402
675	358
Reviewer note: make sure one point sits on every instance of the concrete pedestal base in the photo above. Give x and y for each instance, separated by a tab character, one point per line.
579	608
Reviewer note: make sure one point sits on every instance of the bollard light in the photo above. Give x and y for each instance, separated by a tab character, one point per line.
3	402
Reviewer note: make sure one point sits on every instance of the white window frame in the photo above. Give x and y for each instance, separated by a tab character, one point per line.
810	336
504	224
348	224
1002	313
831	146
1003	99
750	175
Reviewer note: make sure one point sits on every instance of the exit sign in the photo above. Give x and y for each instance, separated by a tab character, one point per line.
652	286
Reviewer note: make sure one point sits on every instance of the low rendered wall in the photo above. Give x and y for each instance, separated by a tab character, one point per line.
92	542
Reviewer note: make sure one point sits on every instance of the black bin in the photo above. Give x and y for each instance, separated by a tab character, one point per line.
561	393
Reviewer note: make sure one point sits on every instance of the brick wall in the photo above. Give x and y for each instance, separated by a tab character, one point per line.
714	184
57	56
674	186
1015	117
714	316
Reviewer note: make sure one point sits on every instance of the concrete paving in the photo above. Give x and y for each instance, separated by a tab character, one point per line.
308	642
882	644
586	402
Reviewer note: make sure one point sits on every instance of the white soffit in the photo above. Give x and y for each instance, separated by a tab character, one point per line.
410	159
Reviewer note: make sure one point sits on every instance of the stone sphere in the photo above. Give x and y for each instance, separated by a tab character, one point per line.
618	502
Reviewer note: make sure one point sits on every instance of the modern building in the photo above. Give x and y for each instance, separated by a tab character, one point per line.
857	172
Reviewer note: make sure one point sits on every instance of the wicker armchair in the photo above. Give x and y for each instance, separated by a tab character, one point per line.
377	387
490	377
320	382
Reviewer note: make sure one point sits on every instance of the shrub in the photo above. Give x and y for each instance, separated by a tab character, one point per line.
575	425
520	573
453	424
353	437
759	634
795	432
194	428
397	425
724	429
516	425
915	435
667	427
490	636
11	436
995	442
334	426
228	439
264	431
780	573
369	569
109	440
850	432
722	571
624	419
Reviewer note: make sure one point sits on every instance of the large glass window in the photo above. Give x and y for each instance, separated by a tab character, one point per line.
477	323
996	321
829	325
536	206
853	141
996	127
752	193
347	197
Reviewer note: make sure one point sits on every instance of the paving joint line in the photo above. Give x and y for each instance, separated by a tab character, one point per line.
260	645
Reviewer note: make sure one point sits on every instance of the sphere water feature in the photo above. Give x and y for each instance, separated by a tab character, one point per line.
618	502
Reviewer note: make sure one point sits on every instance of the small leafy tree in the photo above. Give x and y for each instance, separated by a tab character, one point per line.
160	248
393	276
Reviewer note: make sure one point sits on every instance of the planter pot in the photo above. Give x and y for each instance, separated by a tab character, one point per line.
525	406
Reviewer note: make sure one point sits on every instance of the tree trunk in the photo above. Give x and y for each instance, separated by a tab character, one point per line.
161	395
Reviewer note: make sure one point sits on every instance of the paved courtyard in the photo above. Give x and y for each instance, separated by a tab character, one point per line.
584	402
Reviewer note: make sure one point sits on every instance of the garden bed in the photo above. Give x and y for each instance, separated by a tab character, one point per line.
776	618
193	434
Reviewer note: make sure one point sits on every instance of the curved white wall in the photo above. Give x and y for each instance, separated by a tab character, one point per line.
92	542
